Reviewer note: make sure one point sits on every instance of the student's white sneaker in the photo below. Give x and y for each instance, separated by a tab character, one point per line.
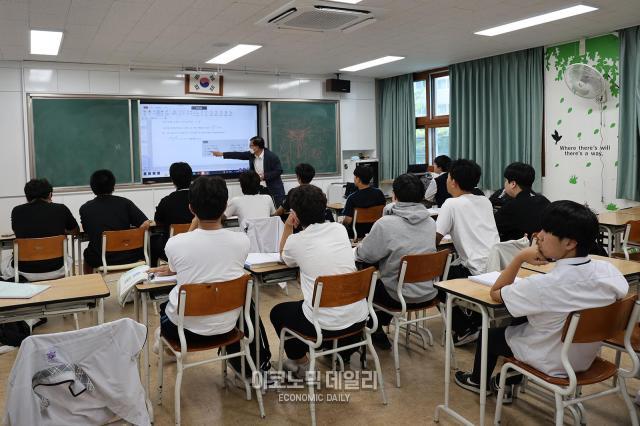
156	341
298	370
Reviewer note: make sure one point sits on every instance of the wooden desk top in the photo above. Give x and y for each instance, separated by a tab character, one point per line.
626	267
335	206
268	267
473	291
630	210
148	287
618	218
66	289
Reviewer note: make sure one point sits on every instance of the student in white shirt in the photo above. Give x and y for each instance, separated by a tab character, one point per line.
251	205
206	254
468	218
321	248
575	283
405	228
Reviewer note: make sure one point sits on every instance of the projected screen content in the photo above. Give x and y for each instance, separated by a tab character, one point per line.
189	132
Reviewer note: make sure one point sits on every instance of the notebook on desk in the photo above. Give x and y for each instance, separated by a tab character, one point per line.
488	279
254	259
10	290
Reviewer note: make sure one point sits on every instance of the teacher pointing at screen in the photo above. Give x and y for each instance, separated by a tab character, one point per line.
264	162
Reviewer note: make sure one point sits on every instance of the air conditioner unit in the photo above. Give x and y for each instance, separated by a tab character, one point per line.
320	16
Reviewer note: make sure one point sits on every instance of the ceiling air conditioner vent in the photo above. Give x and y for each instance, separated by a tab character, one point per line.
318	16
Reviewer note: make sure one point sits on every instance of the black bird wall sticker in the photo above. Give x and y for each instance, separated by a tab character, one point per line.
556	137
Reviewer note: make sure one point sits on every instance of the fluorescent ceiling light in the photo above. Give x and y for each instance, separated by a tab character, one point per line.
234	53
537	20
374	63
45	42
347	1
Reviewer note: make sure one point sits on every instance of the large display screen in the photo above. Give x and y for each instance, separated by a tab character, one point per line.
171	132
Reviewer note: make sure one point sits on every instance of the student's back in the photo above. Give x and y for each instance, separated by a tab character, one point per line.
109	213
363	198
174	208
204	256
250	207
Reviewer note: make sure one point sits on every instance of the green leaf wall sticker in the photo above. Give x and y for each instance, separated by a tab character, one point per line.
589	111
573	180
559	122
612	207
612	125
596	131
561	100
569	110
557	164
579	135
589	164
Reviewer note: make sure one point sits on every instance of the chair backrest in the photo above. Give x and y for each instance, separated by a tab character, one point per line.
33	249
423	267
343	289
368	214
214	298
598	324
178	228
633	232
127	239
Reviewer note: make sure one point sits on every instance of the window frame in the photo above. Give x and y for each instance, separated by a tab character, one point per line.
430	121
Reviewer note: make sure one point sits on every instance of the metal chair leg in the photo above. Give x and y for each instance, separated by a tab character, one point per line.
254	372
396	355
633	414
376	362
311	384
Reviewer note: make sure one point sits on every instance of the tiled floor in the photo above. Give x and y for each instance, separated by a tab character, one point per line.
205	402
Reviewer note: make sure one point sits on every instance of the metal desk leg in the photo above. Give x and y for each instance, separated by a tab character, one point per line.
483	363
73	255
100	311
256	320
80	265
145	349
447	364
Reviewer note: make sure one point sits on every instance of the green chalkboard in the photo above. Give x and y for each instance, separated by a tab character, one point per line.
304	132
74	137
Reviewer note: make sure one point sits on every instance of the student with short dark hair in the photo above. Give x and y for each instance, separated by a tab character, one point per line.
406	228
575	283
108	212
521	213
304	174
441	165
468	218
39	218
172	209
321	248
365	196
252	204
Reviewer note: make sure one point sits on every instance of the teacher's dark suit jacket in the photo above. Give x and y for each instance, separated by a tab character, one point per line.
272	171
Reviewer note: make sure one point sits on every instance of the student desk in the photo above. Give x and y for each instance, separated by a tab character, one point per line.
614	224
628	268
65	296
476	297
270	273
335	208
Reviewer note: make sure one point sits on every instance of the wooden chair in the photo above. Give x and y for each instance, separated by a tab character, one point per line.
363	216
587	326
330	292
631	239
35	249
415	268
211	299
618	344
178	228
128	239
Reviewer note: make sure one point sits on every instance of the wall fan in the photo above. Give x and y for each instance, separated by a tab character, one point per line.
585	81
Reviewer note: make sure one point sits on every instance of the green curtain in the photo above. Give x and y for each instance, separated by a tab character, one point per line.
497	113
397	125
628	184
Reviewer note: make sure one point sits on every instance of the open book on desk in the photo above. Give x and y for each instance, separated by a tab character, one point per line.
137	275
488	279
255	259
12	290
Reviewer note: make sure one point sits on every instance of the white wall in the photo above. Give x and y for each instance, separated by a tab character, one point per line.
18	80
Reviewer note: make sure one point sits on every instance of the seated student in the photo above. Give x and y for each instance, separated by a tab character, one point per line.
365	196
468	218
108	212
441	165
406	228
304	174
321	248
252	204
575	283
39	218
521	214
172	209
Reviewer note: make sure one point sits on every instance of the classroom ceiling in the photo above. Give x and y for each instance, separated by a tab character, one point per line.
187	33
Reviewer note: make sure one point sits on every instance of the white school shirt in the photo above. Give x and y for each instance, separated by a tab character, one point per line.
547	299
258	163
324	249
78	377
250	207
470	222
431	190
203	256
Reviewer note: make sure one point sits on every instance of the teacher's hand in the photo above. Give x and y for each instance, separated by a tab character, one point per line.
217	153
